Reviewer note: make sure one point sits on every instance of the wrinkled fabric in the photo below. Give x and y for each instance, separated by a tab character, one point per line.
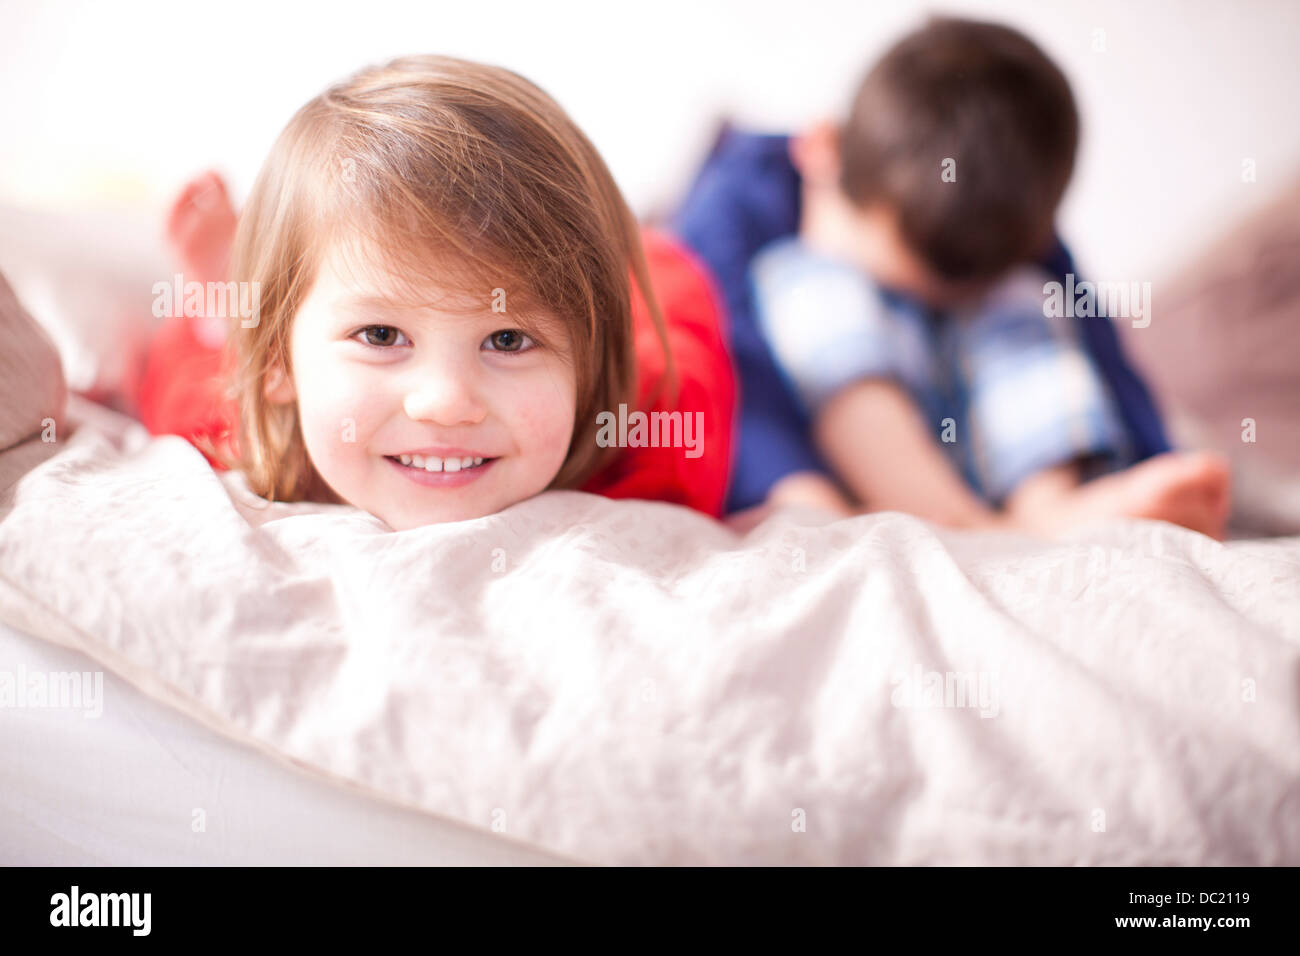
626	682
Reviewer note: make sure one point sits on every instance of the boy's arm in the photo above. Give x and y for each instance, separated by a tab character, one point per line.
875	439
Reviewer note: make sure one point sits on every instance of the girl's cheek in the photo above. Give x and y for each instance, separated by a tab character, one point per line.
336	414
545	412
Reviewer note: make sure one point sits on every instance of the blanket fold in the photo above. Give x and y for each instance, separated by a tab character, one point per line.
632	682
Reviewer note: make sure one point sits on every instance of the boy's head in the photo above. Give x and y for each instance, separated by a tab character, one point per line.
959	145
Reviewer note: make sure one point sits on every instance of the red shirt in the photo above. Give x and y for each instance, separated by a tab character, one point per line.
180	391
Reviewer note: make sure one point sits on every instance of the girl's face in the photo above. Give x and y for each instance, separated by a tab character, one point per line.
420	416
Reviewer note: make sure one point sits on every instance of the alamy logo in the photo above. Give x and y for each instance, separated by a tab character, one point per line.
214	300
653	430
923	689
102	909
57	690
1114	300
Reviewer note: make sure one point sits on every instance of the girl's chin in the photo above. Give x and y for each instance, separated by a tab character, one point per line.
408	511
408	522
410	502
415	517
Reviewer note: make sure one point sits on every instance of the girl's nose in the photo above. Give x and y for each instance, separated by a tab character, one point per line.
445	398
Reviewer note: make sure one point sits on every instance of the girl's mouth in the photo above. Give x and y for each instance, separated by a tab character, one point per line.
440	473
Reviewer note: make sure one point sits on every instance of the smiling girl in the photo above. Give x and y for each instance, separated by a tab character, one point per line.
447	304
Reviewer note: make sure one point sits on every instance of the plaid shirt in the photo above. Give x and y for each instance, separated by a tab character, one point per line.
1008	391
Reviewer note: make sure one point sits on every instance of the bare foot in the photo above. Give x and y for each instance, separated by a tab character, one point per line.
800	489
809	489
201	228
1192	489
200	233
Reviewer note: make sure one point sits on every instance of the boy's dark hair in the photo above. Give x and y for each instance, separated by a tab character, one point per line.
987	97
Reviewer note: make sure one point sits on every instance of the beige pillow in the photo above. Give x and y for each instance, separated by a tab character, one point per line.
33	394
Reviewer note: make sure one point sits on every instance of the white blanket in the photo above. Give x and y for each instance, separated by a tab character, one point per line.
628	682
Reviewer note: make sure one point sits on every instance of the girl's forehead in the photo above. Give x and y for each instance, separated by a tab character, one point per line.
361	274
356	277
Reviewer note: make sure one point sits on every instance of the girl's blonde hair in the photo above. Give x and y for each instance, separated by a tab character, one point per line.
452	171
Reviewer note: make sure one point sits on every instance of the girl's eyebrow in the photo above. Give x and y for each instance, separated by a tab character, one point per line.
542	322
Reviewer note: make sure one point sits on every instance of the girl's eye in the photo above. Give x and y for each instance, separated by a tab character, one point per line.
381	336
509	340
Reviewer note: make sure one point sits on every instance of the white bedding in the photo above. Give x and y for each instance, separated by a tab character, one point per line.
139	783
627	682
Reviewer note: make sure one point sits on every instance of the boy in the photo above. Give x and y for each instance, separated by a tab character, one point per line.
908	315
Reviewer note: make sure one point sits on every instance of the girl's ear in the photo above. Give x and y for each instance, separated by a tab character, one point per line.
278	387
816	153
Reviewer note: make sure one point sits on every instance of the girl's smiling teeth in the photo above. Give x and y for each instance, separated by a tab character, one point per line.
433	463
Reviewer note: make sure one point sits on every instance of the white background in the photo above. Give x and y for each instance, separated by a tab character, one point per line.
116	104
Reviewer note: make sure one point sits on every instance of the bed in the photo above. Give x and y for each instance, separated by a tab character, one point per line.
579	680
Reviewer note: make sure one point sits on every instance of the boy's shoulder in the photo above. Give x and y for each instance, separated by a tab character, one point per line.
1022	286
792	261
1015	300
799	289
